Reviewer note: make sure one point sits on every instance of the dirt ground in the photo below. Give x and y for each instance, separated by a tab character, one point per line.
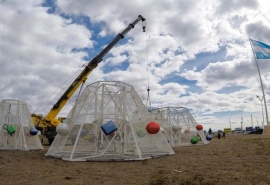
238	159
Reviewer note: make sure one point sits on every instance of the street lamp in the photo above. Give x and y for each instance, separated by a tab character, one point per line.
230	121
241	123
261	99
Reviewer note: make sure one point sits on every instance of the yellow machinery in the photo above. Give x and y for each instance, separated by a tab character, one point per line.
47	125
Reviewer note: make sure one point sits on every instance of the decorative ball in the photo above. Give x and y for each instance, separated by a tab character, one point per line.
194	140
199	127
177	128
208	137
141	132
33	131
111	134
153	127
187	131
84	133
62	129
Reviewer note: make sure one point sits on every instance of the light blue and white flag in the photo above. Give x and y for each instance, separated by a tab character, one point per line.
261	50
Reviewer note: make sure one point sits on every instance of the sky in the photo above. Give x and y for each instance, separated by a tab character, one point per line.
194	54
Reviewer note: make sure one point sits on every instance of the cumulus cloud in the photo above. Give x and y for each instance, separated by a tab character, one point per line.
35	46
203	42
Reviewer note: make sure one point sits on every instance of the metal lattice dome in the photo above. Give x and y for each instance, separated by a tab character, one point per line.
17	130
108	122
179	126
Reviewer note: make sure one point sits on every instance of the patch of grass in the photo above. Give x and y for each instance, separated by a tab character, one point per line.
158	181
186	182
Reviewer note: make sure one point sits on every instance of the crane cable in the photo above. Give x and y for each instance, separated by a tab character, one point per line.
148	102
55	94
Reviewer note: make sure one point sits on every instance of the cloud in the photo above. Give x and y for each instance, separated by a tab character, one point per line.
223	74
193	53
233	7
35	46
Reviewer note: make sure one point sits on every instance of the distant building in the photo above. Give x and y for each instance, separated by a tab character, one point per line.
238	130
227	130
249	129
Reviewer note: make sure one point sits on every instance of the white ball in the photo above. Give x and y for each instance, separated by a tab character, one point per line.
62	129
177	128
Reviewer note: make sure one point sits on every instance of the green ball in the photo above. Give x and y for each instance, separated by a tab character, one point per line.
194	140
141	133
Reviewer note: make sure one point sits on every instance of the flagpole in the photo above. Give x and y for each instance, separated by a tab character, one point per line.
266	113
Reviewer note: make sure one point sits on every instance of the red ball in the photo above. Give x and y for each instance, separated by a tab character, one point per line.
187	131
153	127
199	127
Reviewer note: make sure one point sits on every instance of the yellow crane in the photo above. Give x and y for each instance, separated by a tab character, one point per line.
47	125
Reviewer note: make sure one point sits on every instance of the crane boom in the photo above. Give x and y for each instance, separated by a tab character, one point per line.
50	119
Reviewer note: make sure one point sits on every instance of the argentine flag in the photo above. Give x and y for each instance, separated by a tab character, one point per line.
261	50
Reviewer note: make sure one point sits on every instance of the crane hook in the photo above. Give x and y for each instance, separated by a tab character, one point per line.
143	26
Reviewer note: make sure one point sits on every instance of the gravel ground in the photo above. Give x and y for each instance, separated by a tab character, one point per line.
238	159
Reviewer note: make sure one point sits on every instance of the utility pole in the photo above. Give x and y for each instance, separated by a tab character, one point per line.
241	123
230	122
251	121
261	99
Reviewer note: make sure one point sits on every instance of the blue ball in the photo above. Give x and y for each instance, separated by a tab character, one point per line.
208	137
33	131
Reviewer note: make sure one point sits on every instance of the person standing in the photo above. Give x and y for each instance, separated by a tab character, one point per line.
218	135
224	134
210	131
